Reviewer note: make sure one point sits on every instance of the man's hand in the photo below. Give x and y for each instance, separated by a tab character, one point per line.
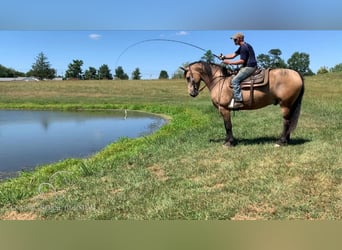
222	57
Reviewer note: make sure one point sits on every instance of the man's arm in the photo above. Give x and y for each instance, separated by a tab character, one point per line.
230	56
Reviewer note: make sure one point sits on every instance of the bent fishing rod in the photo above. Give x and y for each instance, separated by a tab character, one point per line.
163	40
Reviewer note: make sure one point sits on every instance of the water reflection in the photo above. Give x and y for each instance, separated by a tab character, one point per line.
30	138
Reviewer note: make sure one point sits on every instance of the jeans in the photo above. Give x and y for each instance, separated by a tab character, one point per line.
241	75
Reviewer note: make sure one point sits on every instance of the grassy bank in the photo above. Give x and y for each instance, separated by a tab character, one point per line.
182	171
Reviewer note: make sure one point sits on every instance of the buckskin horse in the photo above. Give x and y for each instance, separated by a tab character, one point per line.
281	86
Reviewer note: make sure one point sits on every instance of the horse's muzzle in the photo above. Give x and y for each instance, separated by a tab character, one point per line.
194	93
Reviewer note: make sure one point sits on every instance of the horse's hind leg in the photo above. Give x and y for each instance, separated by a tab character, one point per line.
285	135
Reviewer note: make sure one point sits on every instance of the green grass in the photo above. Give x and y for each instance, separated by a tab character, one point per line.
182	171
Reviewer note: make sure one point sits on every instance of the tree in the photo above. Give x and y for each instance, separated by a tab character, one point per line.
337	68
271	60
264	61
136	74
42	68
104	72
91	74
163	75
120	73
276	61
8	72
322	70
74	69
208	57
300	62
179	74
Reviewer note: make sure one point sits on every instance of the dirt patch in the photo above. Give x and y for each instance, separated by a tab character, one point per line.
115	191
48	195
255	212
14	215
158	172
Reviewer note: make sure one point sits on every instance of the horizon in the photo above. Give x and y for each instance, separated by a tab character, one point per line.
97	33
146	50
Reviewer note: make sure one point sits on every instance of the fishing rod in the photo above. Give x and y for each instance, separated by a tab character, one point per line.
161	40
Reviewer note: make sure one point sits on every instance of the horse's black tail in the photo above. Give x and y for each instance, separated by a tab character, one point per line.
295	110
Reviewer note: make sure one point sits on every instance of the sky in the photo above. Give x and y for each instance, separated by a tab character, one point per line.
134	49
112	32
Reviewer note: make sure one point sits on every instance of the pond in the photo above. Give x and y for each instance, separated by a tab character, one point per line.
31	138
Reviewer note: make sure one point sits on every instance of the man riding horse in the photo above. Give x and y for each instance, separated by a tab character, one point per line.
248	62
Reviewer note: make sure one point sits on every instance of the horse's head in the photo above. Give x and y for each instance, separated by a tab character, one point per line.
193	79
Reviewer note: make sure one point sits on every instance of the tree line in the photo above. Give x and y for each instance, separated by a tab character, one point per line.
42	69
299	61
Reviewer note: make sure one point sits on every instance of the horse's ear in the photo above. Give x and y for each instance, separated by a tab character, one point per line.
182	68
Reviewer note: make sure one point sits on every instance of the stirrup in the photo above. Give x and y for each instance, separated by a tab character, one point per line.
235	105
231	104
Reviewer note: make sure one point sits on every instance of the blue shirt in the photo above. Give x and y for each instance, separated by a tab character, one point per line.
246	53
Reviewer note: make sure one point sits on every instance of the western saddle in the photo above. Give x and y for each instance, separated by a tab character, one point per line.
259	78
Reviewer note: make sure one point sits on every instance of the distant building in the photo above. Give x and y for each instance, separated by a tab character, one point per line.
23	79
58	79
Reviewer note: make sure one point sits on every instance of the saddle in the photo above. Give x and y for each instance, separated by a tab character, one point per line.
259	78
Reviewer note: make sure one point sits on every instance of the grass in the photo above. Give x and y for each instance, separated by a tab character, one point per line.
182	171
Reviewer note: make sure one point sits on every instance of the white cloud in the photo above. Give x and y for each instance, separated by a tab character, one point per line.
95	36
182	33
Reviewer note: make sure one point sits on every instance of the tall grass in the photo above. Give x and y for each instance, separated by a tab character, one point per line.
182	171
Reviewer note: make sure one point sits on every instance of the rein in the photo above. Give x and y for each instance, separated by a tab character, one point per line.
201	89
205	85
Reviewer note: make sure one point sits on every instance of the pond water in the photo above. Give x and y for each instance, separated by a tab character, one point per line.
31	138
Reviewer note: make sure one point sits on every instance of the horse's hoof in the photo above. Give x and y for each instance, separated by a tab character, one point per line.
228	145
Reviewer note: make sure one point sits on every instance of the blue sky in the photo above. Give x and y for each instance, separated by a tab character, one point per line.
168	14
18	49
97	32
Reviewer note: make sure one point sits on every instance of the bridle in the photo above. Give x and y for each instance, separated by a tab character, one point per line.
193	83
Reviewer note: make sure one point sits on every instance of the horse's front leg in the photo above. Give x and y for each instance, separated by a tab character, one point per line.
229	141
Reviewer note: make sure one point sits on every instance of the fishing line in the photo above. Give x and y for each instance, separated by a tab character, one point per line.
159	40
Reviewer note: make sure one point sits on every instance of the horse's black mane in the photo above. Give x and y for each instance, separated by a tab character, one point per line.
208	68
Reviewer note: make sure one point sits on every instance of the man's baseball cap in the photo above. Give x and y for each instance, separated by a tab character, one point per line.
238	35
